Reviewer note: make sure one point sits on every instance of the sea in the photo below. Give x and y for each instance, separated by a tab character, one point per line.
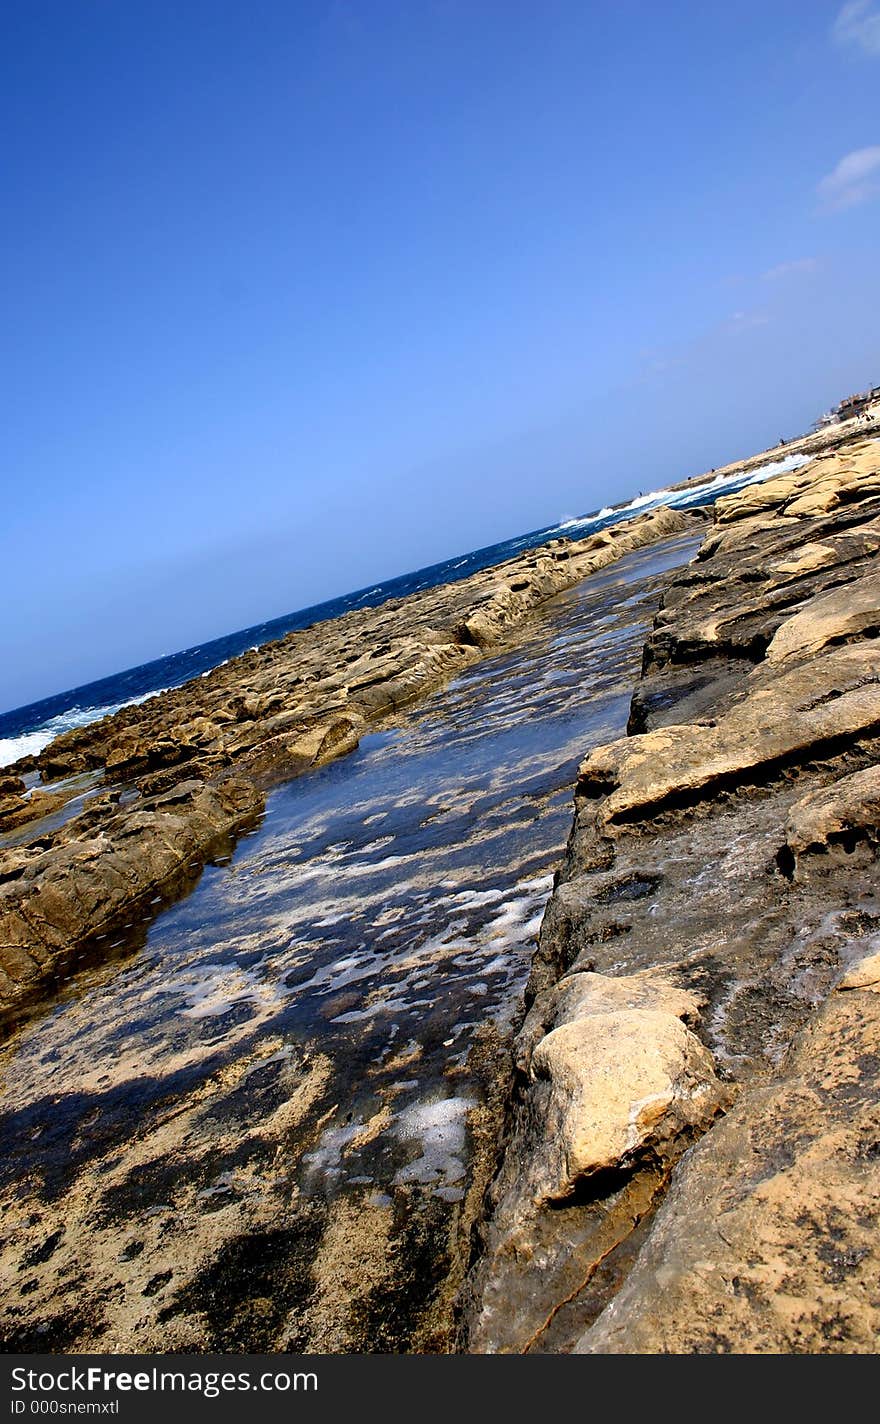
27	730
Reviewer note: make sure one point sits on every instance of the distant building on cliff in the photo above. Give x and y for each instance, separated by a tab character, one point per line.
851	408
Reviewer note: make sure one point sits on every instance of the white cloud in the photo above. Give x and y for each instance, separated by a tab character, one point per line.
859	24
799	267
856	179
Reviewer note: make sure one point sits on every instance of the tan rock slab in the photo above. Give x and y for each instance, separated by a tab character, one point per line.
835	696
851	804
863	975
619	1082
847	612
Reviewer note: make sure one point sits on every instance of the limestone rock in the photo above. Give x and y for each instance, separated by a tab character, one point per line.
616	1086
71	891
620	1083
9	808
580	996
325	741
731	844
615	1072
865	974
830	698
848	809
806	560
19	810
759	567
768	1241
849	612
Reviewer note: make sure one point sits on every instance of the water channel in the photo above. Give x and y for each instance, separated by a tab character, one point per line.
255	1128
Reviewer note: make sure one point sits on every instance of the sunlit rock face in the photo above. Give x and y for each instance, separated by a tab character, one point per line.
659	1194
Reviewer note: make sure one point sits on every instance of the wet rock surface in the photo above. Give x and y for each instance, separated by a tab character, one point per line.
264	1116
60	902
767	1241
723	858
214	746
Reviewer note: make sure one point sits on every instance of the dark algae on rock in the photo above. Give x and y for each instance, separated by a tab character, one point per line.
691	1164
269	1079
266	1119
191	766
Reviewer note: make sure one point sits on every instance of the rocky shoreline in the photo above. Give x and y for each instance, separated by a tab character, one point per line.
266	1121
692	1157
180	775
679	1155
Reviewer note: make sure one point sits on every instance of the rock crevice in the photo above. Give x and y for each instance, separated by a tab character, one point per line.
189	768
692	1163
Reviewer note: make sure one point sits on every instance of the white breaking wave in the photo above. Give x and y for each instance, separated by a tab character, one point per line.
579	519
671	497
762	472
201	674
31	743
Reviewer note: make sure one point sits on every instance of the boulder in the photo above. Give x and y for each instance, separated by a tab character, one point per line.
619	1085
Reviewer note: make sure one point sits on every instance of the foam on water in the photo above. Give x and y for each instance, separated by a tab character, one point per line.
32	743
439	1129
30	729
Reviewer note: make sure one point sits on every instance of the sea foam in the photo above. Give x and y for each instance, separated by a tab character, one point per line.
32	743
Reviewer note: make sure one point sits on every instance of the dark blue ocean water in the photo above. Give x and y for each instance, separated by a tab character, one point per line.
28	729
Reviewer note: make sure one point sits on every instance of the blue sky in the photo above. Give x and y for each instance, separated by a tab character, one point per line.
298	296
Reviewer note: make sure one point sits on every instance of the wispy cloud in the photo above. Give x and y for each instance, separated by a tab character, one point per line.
656	361
858	25
856	179
798	267
659	365
746	320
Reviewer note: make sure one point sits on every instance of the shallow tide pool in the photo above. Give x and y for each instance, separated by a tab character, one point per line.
253	1131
